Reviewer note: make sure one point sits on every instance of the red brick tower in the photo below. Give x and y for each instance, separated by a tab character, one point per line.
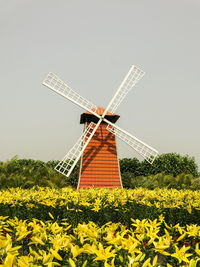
99	162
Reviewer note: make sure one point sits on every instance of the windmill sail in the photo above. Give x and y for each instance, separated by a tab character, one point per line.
147	152
132	77
57	85
67	164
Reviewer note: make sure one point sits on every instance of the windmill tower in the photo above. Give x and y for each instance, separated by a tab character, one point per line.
99	162
97	145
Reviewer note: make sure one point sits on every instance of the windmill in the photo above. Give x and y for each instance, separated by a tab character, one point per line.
97	145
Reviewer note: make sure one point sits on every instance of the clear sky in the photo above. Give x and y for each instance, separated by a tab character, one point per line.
91	45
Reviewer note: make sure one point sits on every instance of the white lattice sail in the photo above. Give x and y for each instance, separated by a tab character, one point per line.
133	76
147	152
66	165
57	85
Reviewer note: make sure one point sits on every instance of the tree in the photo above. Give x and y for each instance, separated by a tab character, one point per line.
170	163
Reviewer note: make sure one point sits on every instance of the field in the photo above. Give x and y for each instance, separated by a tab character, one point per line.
99	227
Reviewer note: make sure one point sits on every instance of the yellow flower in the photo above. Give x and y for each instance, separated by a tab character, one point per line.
55	254
152	234
130	244
117	238
197	250
52	264
51	215
97	204
35	254
146	263
106	264
179	228
189	208
140	225
72	263
193	230
162	244
181	254
193	262
22	235
10	259
46	258
36	240
24	261
161	218
104	254
75	250
155	261
181	237
96	208
90	249
55	228
21	230
133	260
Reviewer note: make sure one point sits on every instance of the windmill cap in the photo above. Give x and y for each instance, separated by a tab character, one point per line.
100	111
88	117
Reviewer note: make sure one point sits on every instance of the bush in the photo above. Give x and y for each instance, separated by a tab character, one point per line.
26	173
171	163
161	180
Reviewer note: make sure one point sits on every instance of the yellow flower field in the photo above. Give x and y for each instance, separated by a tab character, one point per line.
67	240
147	243
96	198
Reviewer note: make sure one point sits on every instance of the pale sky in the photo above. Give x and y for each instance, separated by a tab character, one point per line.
91	45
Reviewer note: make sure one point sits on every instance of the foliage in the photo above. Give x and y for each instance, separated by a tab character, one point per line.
27	173
171	163
161	180
130	165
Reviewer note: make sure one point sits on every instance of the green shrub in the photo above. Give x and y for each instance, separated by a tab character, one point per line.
171	163
161	180
26	173
130	165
